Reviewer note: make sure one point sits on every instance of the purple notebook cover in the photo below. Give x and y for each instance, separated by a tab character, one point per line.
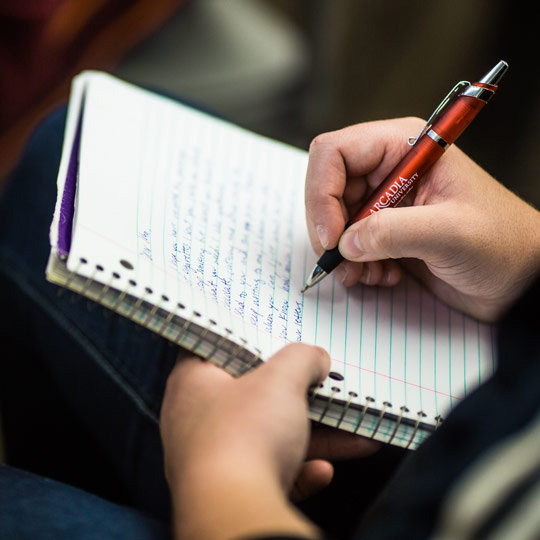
67	206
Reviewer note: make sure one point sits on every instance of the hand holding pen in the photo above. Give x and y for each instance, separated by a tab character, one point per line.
469	239
449	120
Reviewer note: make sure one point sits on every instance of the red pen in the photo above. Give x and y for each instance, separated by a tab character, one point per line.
446	124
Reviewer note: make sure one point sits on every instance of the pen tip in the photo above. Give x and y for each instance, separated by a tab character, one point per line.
316	276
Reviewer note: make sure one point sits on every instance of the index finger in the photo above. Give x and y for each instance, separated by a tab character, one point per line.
367	151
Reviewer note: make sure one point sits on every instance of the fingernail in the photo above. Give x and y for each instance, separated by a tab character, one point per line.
387	278
323	235
341	272
350	245
366	274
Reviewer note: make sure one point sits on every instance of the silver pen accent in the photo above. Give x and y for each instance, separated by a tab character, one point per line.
317	275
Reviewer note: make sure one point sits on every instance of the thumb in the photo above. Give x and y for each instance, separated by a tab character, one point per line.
421	232
297	364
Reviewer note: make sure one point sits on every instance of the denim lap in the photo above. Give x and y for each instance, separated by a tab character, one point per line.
110	371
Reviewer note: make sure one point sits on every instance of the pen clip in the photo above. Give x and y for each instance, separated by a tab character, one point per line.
450	97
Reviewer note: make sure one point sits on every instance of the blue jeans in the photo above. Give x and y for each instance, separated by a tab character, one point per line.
108	373
33	507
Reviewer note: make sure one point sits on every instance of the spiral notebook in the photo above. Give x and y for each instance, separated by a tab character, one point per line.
195	229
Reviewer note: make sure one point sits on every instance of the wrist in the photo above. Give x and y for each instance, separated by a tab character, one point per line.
233	501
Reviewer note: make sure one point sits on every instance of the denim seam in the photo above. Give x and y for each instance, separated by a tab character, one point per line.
71	329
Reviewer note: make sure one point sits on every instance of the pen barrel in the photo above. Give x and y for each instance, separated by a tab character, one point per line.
330	259
458	116
421	157
403	178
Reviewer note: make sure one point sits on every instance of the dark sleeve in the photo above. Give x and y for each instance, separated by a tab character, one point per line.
501	411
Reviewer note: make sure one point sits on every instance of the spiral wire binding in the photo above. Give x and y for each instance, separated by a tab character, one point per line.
420	415
234	354
201	337
385	406
150	314
403	410
87	284
120	299
167	320
352	395
369	400
71	277
217	347
106	288
253	362
184	330
335	390
313	392
378	415
140	312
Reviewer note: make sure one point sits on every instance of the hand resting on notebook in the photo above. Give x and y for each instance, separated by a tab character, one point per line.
249	433
470	240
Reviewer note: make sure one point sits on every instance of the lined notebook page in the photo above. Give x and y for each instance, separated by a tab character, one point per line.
184	208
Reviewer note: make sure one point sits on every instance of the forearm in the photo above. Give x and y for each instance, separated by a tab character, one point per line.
232	504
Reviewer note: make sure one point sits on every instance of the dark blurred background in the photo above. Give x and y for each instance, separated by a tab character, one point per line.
289	69
286	68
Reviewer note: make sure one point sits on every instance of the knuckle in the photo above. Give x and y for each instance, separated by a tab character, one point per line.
320	140
416	121
311	352
411	126
320	353
300	348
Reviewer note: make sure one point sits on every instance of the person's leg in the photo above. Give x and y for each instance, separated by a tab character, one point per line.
42	509
109	373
